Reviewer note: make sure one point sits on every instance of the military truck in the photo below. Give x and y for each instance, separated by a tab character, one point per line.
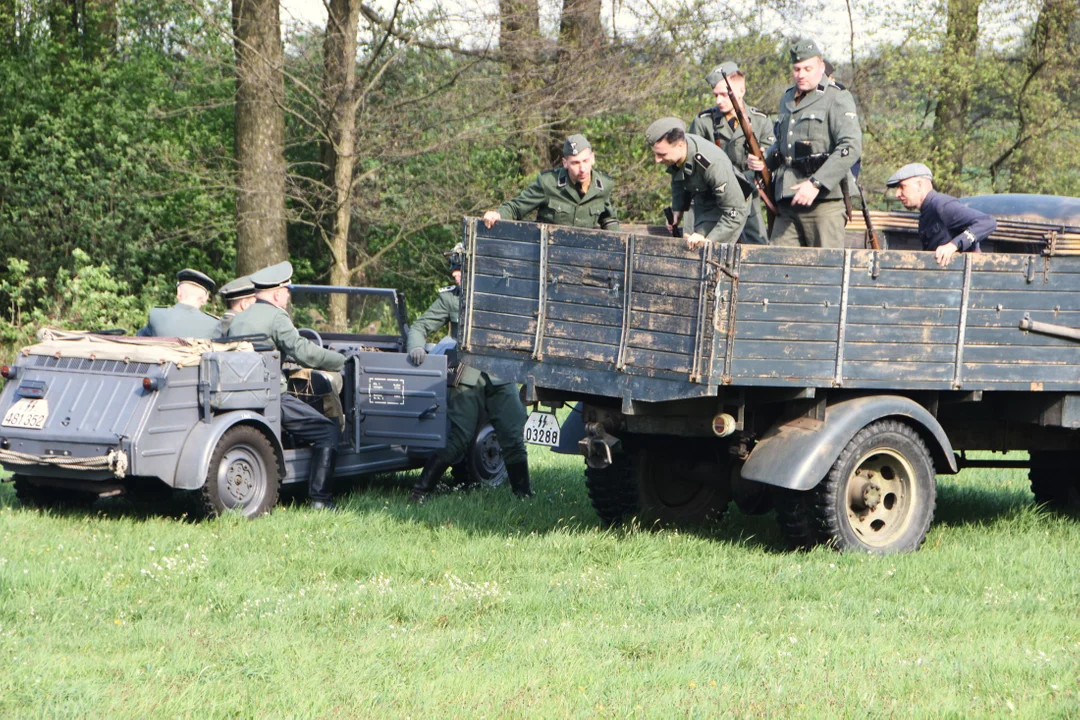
833	385
85	415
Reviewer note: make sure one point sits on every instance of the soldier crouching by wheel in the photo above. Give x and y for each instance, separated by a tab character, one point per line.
267	316
473	392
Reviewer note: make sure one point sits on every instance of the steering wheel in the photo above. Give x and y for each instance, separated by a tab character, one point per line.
311	335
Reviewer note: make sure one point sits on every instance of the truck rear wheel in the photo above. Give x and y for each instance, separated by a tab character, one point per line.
680	483
243	475
880	494
1055	481
50	498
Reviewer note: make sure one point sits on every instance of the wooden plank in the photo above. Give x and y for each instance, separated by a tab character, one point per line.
640	320
790	275
676	287
992	317
791	369
587	239
878	315
575	349
901	373
507	250
918	334
794	294
586	258
580	295
891	353
486	302
665	247
783	350
500	286
578	331
669	267
975	373
759	330
501	340
649	302
504	322
678	344
1022	355
517	269
598	278
924	279
904	297
509	230
802	257
899	260
1025	300
587	314
1012	336
746	312
663	361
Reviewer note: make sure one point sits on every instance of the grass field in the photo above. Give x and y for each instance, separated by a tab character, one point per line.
477	605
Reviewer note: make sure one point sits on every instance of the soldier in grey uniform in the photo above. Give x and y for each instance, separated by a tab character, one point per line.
720	125
701	176
575	194
818	140
239	295
185	319
267	316
473	392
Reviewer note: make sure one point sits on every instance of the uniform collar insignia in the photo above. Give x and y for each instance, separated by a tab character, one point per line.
563	179
598	180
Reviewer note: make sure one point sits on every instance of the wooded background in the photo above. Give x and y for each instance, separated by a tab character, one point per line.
139	137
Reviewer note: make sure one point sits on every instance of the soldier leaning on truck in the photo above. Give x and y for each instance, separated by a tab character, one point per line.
239	295
575	194
720	125
818	140
472	392
267	316
701	176
946	225
184	319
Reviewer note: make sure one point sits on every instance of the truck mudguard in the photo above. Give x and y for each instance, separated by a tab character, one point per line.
199	447
798	454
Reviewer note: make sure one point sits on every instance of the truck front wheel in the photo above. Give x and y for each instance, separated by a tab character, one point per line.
243	475
1054	480
880	494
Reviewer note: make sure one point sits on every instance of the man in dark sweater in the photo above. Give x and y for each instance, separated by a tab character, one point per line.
946	225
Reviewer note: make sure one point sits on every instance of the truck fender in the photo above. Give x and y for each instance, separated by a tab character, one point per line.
194	460
798	454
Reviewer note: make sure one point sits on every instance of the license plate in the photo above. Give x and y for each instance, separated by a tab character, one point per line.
542	429
27	413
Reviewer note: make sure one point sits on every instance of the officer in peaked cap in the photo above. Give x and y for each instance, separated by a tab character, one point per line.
574	194
472	393
184	319
702	177
239	295
267	316
818	140
946	225
720	125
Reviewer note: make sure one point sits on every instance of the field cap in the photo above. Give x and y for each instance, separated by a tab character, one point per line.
911	170
187	275
237	289
574	145
662	127
804	50
272	277
729	68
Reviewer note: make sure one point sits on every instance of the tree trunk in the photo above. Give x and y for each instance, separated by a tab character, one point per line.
339	93
99	28
8	26
581	39
958	78
519	42
260	136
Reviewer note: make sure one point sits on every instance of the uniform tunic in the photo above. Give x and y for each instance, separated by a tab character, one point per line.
708	183
180	320
729	137
944	219
475	392
558	201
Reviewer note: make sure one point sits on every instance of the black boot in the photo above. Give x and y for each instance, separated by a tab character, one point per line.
519	478
429	478
320	485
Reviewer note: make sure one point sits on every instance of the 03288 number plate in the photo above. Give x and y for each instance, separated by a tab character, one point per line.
542	429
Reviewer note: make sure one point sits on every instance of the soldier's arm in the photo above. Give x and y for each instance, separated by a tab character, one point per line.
532	198
680	199
288	339
730	201
609	219
845	138
433	318
967	225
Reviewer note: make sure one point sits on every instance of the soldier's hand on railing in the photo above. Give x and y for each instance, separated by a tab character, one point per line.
491	217
417	355
944	253
695	240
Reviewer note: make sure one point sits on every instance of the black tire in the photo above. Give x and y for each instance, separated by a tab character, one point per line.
683	482
243	475
752	498
613	490
50	498
483	464
880	494
794	517
1055	481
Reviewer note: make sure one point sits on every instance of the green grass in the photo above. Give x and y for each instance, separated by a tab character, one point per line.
477	605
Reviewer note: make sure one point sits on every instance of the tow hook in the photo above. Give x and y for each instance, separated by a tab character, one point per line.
596	445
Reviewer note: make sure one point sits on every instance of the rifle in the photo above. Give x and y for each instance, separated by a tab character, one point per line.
762	181
873	239
676	230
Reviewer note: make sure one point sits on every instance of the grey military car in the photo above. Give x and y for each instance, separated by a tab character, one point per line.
85	415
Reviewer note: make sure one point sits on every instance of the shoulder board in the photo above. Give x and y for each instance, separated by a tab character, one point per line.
212	317
702	160
448	289
706	113
839	85
755	111
162	307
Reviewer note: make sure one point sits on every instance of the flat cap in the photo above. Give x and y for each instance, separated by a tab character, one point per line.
241	287
662	127
717	75
187	275
911	170
804	50
575	144
271	277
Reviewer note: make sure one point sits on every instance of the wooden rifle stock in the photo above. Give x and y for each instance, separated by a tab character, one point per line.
871	233
764	180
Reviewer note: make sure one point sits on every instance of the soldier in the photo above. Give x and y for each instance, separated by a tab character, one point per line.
702	175
267	316
574	194
474	391
238	295
946	225
720	125
818	140
184	319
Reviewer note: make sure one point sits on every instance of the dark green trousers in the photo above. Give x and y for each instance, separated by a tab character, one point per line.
504	411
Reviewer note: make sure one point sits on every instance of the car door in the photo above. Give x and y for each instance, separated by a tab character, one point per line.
396	402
